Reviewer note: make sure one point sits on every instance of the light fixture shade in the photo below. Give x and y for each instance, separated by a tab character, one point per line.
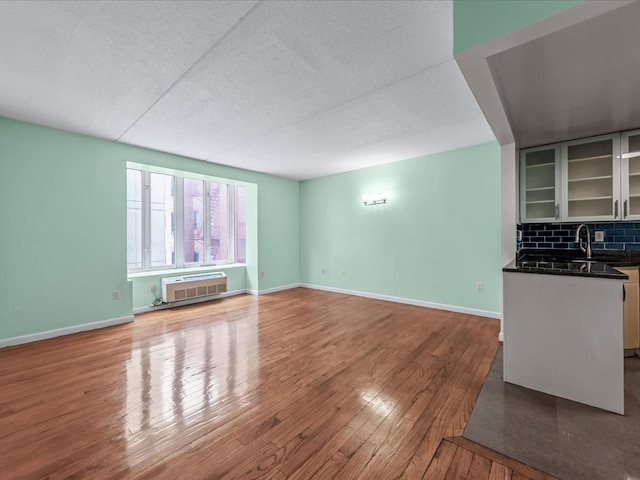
374	198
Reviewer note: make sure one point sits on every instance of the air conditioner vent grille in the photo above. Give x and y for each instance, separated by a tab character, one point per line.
193	286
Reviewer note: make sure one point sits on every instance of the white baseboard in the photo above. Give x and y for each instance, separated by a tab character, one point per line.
58	332
34	337
274	289
188	302
408	301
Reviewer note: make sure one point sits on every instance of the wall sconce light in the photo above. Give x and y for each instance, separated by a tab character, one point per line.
374	198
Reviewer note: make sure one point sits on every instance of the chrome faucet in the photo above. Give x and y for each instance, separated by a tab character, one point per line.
580	242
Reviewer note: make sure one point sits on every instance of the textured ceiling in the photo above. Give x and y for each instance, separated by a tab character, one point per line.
298	89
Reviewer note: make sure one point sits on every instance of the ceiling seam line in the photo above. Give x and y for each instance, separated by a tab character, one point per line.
382	87
190	68
351	100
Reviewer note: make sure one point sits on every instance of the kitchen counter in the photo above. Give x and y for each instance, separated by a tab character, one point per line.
571	262
564	267
563	327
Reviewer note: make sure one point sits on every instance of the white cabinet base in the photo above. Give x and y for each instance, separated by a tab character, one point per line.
563	336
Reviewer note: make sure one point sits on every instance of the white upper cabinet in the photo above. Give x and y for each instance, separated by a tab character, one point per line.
630	163
591	179
587	180
540	184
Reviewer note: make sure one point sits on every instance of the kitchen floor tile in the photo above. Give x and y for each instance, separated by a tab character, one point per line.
563	438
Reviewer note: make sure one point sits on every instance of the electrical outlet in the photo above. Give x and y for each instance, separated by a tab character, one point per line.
519	235
153	288
599	236
343	273
479	287
325	271
116	294
261	274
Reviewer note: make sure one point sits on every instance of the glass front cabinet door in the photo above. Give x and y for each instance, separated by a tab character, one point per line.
540	184
630	154
591	179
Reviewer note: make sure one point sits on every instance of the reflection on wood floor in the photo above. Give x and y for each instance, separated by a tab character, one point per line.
297	384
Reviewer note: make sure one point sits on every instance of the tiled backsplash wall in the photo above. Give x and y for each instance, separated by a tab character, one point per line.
617	236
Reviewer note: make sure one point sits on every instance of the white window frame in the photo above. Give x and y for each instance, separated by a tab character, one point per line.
179	213
142	221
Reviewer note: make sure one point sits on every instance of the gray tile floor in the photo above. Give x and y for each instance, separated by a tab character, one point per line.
563	438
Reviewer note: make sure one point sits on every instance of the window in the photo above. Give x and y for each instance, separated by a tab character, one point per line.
193	203
219	221
241	225
162	237
179	221
134	219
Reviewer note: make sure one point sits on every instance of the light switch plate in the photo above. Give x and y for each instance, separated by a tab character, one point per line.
599	236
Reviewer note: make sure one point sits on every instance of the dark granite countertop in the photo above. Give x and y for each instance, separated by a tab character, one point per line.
572	262
565	267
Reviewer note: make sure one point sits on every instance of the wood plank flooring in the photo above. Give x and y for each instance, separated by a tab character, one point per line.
459	458
299	384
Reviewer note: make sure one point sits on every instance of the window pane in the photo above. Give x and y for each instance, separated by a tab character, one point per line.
134	219
193	226
219	221
162	239
241	225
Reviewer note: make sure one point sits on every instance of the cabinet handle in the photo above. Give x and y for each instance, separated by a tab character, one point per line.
624	209
557	211
615	209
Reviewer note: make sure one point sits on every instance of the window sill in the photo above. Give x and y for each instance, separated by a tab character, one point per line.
178	271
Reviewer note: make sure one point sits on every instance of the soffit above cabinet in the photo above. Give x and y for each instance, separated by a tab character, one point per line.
574	83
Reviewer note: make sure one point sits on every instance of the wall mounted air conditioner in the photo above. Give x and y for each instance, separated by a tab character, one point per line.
187	287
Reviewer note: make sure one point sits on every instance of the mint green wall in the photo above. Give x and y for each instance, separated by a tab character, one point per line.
63	240
63	217
437	236
477	21
63	234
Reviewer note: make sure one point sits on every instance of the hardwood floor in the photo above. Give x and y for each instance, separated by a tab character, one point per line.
459	458
298	384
